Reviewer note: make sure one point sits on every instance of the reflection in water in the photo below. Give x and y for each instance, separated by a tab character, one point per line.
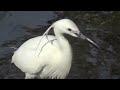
88	62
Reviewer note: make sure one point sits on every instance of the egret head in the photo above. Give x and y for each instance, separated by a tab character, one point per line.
69	27
66	26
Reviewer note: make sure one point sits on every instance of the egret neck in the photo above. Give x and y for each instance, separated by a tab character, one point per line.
64	45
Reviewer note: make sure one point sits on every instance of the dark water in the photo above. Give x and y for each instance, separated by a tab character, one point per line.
88	62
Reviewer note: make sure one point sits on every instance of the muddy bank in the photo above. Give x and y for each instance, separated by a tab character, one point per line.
88	62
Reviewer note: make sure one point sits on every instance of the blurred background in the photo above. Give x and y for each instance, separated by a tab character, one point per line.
103	27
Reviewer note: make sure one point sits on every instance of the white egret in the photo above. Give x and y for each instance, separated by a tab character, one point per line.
48	56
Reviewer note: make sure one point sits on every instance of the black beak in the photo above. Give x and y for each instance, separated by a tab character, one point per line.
80	35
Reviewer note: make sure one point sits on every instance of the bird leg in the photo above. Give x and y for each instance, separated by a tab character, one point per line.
29	76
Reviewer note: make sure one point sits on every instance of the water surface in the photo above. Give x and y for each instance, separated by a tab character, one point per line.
88	62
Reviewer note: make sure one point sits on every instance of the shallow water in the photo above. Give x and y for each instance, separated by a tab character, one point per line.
88	62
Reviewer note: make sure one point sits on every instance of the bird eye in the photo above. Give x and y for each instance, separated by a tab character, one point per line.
69	29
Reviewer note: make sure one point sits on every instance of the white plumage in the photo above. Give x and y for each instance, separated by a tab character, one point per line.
48	56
